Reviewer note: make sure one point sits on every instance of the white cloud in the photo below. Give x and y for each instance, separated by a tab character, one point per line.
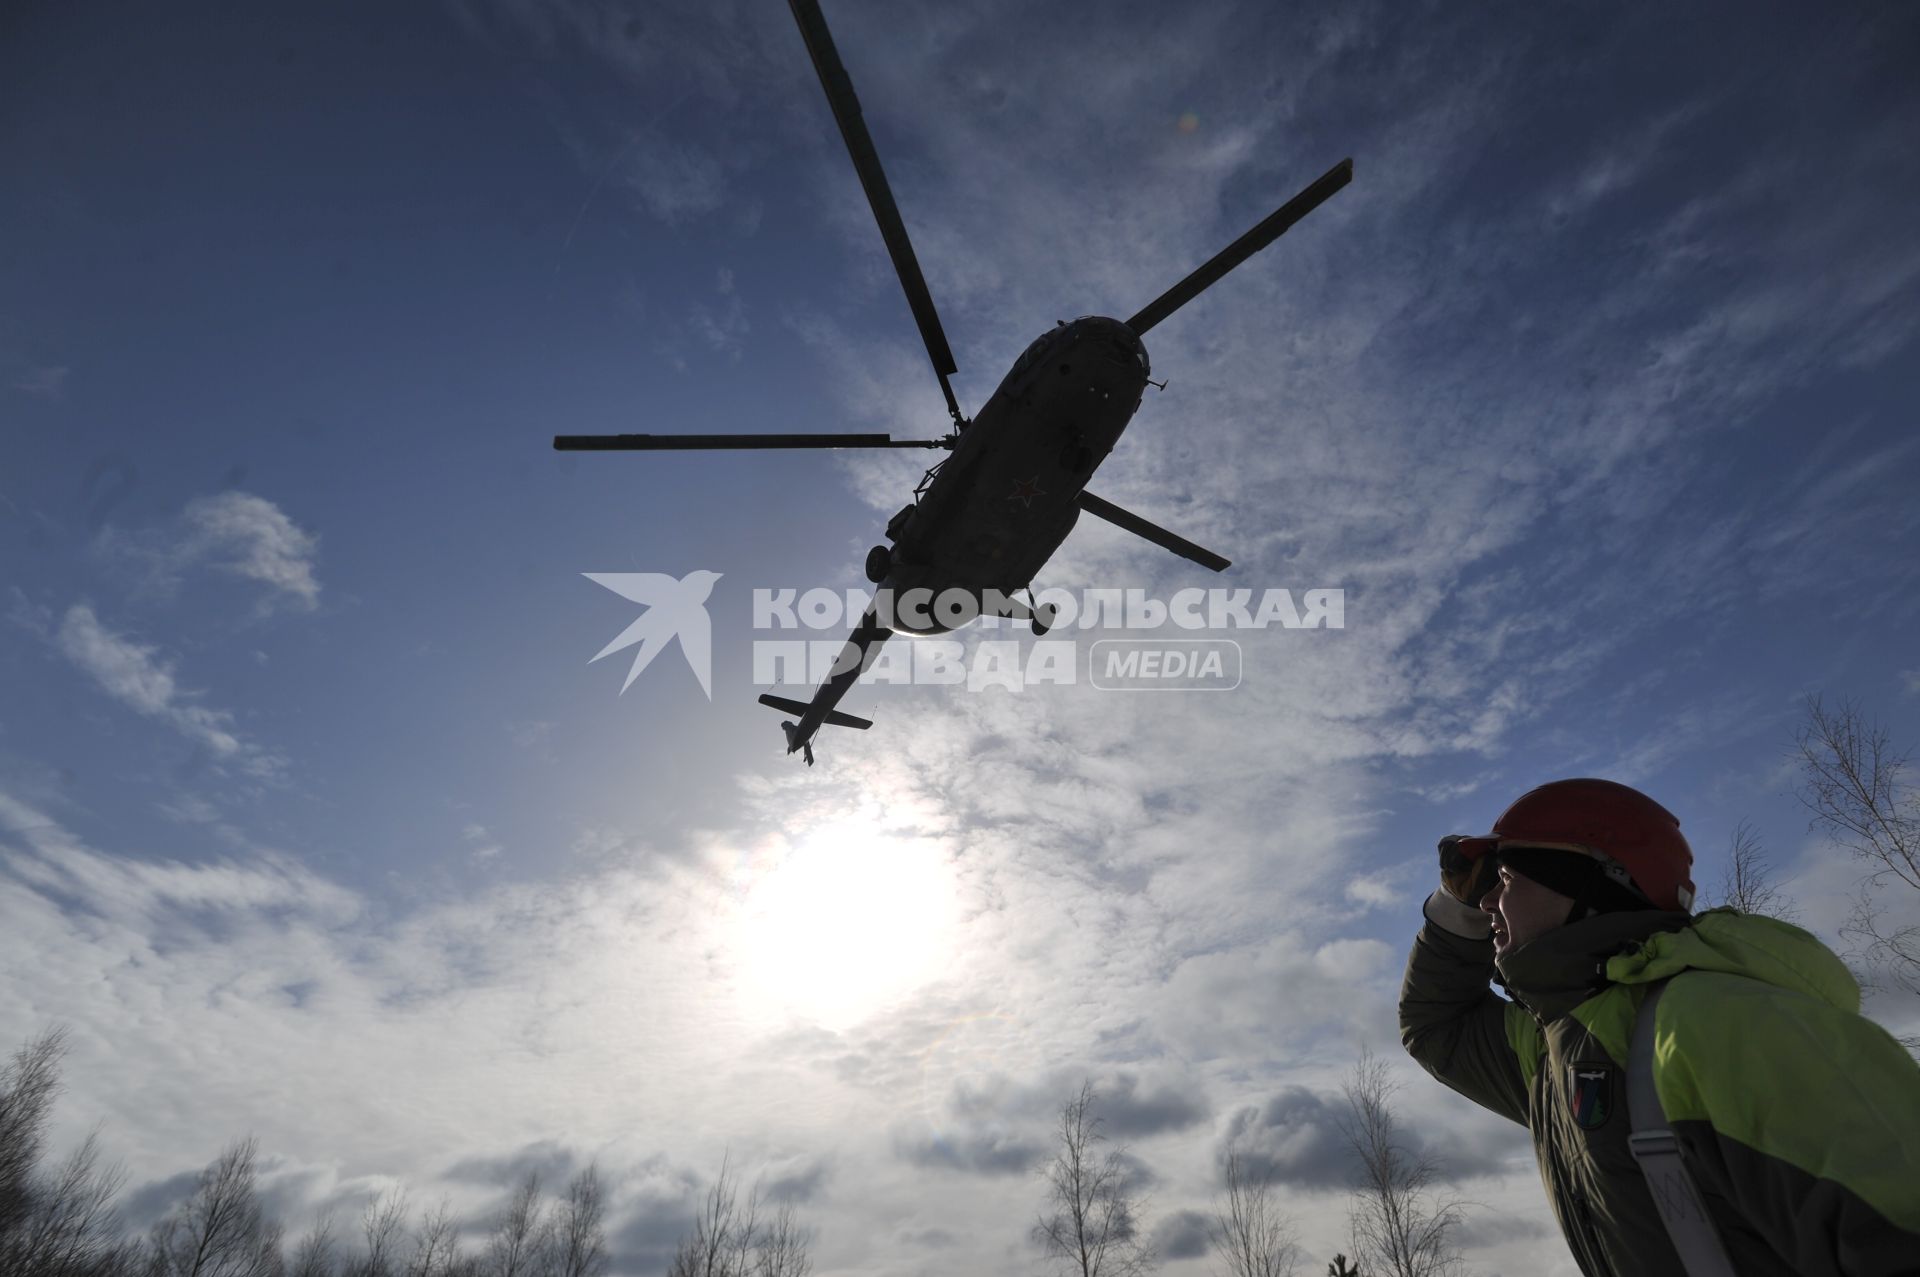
139	677
133	893
251	537
236	533
483	845
519	1016
673	181
1378	890
45	383
1620	164
724	330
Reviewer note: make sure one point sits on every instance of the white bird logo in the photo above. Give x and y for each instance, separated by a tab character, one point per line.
675	609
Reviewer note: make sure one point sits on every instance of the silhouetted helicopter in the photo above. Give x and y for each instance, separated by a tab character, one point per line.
986	519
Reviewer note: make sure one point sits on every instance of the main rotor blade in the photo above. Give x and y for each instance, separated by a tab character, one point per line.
873	179
1151	531
1241	249
662	443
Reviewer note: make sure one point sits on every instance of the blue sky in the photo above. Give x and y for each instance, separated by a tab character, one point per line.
1594	392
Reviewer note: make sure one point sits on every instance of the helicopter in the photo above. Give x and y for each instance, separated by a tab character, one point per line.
984	520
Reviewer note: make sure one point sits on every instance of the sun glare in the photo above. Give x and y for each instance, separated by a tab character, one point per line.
845	923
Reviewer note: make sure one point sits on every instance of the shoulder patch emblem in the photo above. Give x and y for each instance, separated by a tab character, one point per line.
1590	1094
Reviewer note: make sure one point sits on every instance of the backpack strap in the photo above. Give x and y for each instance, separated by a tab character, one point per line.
1658	1153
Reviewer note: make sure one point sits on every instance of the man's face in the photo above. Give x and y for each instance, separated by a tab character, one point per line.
1522	909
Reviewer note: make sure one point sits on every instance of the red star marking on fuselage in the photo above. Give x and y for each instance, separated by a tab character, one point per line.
1025	490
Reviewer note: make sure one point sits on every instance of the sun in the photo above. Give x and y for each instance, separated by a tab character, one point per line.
844	923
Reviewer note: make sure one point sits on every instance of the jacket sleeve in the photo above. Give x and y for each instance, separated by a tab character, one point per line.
1804	1116
1459	1030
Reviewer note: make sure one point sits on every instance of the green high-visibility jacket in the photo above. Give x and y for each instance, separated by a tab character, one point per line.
1798	1118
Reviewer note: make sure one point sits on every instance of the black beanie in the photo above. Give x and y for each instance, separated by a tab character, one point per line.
1572	874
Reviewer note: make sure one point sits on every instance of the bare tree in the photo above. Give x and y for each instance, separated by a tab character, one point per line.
1248	1228
781	1250
729	1238
580	1236
1850	780
383	1235
71	1227
220	1231
721	1241
28	1085
436	1247
521	1240
1091	1230
313	1257
1401	1227
1747	884
61	1224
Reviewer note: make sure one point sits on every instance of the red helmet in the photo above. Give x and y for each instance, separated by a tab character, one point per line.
1615	824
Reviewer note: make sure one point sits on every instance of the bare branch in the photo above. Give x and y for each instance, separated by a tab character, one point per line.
1747	884
1248	1228
1092	1230
71	1226
1851	783
580	1231
521	1236
436	1248
1401	1228
221	1231
314	1256
383	1231
28	1085
783	1247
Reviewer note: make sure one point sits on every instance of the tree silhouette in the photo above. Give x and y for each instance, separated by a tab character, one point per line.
28	1085
1248	1227
1400	1228
728	1238
1850	783
1091	1229
579	1230
62	1223
1747	884
220	1231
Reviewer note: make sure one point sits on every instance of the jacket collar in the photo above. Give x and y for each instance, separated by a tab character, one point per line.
1555	972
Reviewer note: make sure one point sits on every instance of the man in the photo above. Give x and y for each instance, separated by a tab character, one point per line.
1798	1119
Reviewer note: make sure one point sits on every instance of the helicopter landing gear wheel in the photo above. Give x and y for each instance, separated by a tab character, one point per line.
1043	618
879	563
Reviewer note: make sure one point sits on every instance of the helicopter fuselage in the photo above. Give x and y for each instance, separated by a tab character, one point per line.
997	509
